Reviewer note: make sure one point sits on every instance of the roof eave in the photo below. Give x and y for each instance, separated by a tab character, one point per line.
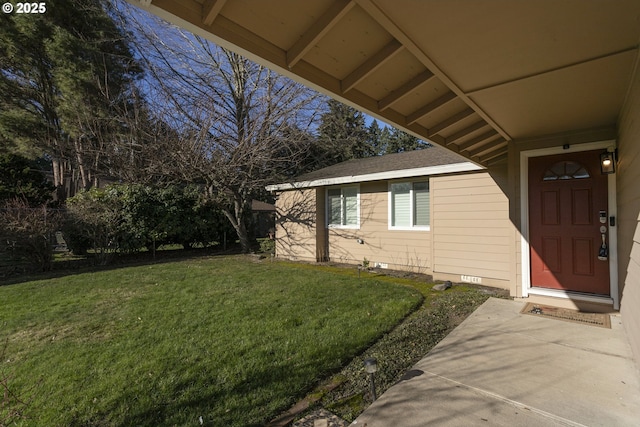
378	176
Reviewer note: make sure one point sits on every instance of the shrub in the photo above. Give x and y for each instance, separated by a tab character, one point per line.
268	246
128	218
28	234
175	214
95	218
22	178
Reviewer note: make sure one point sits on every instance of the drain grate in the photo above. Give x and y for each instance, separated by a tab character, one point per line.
594	319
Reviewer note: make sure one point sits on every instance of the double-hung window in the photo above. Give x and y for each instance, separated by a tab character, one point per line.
343	207
409	205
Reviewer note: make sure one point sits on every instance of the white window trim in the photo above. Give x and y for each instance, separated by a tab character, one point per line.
328	207
411	207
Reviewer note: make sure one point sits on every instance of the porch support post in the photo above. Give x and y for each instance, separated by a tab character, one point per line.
322	233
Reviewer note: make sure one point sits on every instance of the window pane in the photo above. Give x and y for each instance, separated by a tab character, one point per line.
421	199
350	198
581	173
333	199
400	204
565	170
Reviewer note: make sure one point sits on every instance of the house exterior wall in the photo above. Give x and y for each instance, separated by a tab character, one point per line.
395	249
473	238
296	225
628	176
470	239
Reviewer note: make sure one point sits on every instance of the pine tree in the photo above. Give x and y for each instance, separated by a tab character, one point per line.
374	133
399	141
66	77
23	179
342	135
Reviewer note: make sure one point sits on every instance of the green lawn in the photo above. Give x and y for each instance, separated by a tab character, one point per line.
229	339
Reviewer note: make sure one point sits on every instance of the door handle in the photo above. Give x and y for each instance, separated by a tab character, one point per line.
603	253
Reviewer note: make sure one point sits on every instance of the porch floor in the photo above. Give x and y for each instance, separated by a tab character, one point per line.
503	368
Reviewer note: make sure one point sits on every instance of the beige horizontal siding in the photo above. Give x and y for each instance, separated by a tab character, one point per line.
453	241
295	225
488	252
472	231
628	189
399	249
469	270
476	231
457	206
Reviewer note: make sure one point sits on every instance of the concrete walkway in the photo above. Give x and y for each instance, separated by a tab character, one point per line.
503	368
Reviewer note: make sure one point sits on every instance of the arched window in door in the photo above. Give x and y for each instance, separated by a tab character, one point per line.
565	170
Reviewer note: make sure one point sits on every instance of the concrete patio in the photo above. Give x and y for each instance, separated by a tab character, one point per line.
500	367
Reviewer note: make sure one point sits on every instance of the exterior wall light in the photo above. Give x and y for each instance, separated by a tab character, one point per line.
608	162
371	367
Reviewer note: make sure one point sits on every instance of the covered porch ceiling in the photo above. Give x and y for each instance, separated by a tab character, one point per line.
465	74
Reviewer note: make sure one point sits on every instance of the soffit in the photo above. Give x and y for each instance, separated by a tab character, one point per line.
468	75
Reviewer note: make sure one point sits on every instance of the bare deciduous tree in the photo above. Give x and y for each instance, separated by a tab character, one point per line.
239	126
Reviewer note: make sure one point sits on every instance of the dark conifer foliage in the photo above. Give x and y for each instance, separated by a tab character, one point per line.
343	135
66	81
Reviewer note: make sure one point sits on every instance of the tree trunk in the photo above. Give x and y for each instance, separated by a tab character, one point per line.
243	235
236	219
58	178
86	181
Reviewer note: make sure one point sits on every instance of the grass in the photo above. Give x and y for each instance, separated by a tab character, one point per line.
346	393
226	341
401	348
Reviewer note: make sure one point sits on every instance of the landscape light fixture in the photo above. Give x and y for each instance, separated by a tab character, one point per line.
608	162
371	367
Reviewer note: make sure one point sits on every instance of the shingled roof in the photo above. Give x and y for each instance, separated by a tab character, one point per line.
428	161
432	156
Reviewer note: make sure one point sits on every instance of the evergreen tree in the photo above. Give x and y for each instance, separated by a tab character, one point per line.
342	135
66	76
399	141
23	178
374	134
385	137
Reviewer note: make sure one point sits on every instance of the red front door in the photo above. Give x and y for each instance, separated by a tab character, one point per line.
567	197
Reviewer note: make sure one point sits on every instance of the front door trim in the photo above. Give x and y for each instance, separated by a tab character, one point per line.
524	229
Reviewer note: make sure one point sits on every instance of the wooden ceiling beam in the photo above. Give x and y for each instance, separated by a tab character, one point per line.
466	131
475	141
404	90
501	151
486	148
434	105
500	158
371	64
435	130
210	10
378	14
319	28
